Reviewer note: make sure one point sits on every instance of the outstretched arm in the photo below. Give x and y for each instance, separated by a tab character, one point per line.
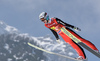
63	23
67	25
55	34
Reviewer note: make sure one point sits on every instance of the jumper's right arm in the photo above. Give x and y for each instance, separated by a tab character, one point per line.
55	34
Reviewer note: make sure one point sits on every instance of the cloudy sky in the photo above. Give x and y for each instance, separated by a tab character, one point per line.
23	14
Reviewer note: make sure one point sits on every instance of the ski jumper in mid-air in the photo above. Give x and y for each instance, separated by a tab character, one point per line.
55	25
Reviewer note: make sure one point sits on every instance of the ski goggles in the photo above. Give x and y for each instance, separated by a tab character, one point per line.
45	18
42	19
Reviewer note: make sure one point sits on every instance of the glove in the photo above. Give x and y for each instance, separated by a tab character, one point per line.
77	29
58	41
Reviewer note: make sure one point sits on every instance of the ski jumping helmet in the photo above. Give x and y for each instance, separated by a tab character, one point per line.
44	15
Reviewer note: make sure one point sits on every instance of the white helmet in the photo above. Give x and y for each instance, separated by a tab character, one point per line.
43	15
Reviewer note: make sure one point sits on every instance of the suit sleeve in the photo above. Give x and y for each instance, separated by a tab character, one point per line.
63	23
55	34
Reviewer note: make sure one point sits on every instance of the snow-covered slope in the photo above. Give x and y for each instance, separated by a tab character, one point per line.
13	46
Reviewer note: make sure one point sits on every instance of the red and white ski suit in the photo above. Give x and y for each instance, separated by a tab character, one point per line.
55	26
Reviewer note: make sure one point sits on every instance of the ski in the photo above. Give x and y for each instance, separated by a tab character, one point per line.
89	49
53	52
79	42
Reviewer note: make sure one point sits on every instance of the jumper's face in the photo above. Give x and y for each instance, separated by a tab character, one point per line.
43	20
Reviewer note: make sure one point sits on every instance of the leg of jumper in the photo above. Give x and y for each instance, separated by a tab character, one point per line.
83	40
78	49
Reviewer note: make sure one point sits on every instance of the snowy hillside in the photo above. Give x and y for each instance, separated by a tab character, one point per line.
13	46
